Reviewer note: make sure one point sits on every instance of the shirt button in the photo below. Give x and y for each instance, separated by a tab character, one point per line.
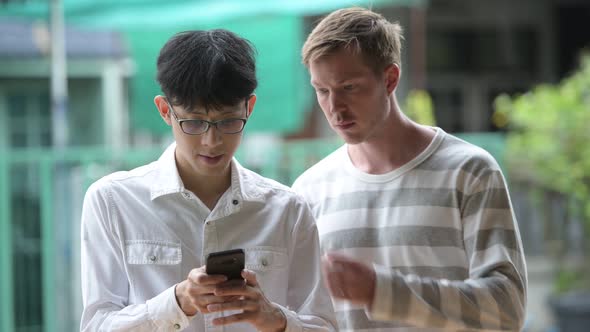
264	262
152	258
177	326
235	202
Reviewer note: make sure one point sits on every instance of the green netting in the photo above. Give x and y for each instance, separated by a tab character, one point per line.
274	26
283	91
129	13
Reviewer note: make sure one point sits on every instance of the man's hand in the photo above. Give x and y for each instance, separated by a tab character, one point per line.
257	310
348	279
197	292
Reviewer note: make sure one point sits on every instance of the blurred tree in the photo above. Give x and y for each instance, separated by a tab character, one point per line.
419	107
548	145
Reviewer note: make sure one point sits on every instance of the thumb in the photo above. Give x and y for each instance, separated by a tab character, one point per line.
250	277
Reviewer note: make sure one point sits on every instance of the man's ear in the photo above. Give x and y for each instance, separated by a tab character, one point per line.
251	102
391	76
163	109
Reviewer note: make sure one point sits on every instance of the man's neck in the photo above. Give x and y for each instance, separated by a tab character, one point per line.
208	189
399	141
211	192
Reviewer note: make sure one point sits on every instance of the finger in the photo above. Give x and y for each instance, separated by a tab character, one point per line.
199	277
336	262
331	274
325	272
333	278
236	283
232	283
206	300
335	256
336	288
244	305
197	289
250	277
234	290
232	319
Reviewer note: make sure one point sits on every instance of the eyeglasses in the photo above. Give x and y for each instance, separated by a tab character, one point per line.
199	127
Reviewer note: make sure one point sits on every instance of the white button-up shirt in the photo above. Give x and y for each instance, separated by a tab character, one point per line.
142	232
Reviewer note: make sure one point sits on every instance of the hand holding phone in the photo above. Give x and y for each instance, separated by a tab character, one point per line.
229	263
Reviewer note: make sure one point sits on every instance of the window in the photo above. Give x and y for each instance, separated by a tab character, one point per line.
469	65
29	120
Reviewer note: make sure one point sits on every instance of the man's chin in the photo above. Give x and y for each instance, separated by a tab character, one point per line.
351	139
217	169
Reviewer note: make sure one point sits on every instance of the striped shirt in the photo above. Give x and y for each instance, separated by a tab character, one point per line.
440	232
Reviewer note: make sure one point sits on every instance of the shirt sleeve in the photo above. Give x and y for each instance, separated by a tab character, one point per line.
494	295
309	305
105	288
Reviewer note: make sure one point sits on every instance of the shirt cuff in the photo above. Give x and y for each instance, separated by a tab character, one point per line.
293	323
381	308
164	311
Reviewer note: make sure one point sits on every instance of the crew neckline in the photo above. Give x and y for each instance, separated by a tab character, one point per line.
386	177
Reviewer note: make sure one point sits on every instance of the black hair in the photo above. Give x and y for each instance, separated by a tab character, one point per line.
208	69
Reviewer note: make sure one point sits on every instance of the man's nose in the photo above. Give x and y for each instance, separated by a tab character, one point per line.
335	103
212	136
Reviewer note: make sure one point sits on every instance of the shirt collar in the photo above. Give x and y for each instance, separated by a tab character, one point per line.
167	179
244	185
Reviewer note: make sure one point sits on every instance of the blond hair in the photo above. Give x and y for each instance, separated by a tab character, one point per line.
359	30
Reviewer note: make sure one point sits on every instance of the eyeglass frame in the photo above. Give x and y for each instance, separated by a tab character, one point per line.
209	123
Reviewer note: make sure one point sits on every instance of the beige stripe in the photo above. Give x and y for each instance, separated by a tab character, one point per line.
398	216
408	256
487	219
394	198
392	236
490	311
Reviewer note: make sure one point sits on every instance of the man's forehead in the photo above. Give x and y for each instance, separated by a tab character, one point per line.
201	111
336	77
224	109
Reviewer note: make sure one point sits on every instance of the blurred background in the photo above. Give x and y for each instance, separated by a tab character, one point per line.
77	81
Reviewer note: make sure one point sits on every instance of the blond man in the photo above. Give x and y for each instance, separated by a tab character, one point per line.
416	225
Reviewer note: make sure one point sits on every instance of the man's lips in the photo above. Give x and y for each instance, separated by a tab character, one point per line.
344	125
211	159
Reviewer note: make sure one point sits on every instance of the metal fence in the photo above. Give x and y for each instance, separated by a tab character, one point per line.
41	194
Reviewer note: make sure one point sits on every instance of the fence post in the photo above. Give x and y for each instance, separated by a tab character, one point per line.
6	285
48	245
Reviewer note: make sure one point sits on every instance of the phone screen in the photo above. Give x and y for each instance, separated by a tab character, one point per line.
229	263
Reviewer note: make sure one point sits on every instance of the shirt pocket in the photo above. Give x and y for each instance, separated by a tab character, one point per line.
153	252
271	265
266	258
152	266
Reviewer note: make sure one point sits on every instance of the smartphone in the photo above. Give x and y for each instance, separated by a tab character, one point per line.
229	263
